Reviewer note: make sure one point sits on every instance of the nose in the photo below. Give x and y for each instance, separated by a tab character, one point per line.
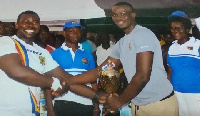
29	24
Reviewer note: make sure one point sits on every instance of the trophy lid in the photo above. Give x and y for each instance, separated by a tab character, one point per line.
109	70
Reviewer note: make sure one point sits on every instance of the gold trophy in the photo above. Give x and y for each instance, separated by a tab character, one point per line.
109	79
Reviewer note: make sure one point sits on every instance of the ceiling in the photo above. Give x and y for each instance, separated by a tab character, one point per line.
95	14
155	8
51	10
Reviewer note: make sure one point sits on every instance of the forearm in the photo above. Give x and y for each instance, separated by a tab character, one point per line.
87	77
31	78
83	90
91	75
49	103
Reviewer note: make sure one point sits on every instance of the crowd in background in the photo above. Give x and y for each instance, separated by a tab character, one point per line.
75	42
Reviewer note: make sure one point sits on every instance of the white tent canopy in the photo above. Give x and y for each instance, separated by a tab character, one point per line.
50	10
54	13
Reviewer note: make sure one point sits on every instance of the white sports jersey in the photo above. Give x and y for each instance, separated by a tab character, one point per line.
15	98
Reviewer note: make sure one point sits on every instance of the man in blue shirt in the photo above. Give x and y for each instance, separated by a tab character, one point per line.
74	60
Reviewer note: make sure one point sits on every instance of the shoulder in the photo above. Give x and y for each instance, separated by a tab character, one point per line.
142	30
6	40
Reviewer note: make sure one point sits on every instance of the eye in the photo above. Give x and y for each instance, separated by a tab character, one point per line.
36	22
71	31
123	13
114	15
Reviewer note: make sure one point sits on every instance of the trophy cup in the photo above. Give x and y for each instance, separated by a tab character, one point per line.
109	79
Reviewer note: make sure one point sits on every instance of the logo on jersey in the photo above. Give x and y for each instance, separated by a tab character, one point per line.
84	61
42	60
190	48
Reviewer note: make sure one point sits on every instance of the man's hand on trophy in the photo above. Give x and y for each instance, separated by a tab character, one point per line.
100	97
112	104
59	86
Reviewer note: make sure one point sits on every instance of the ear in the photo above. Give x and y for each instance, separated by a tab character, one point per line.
188	30
133	14
63	33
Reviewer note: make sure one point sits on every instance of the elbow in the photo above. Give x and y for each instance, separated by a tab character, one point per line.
143	79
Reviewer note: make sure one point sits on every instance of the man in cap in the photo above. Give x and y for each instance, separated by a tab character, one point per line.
183	61
74	60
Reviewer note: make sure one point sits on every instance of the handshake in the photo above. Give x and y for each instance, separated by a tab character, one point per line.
59	86
110	101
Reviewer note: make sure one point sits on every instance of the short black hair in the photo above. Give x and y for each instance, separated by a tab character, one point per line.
186	21
44	27
27	12
125	3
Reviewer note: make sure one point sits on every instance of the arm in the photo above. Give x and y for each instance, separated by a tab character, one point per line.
96	111
78	89
91	75
144	62
12	66
169	72
49	105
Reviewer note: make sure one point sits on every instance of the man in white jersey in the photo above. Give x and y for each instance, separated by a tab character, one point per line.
139	52
25	67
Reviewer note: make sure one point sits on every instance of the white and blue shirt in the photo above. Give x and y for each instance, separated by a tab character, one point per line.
15	97
185	63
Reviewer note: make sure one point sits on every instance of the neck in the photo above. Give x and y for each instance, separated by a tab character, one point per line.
26	40
182	41
129	29
73	46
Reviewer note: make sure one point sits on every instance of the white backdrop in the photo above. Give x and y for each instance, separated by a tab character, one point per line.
50	10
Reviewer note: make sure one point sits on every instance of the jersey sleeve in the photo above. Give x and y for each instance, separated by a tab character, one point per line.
7	46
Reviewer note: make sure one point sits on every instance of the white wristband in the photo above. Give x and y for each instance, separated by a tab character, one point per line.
55	84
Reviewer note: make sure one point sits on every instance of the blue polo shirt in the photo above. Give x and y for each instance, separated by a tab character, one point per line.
74	63
185	63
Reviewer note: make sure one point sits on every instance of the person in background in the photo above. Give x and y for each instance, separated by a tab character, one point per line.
52	40
139	52
43	38
88	44
195	32
9	28
168	38
25	67
103	47
184	64
1	29
60	39
74	60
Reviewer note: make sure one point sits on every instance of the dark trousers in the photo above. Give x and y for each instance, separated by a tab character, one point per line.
69	108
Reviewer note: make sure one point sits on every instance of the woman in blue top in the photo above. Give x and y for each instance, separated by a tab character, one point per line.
184	65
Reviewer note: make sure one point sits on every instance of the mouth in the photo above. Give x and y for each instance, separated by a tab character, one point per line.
120	22
30	31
